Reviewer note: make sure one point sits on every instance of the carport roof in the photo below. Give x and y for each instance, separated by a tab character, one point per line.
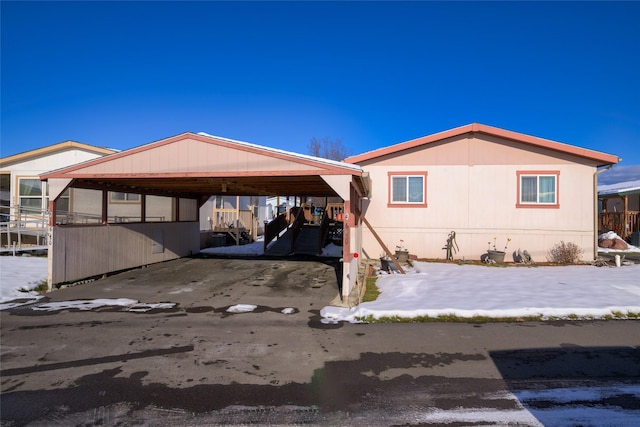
198	165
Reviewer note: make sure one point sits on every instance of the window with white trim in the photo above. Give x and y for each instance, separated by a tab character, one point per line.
538	189
407	189
63	204
124	197
30	194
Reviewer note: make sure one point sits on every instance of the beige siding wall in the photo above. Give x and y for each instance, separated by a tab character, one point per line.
477	199
188	210
77	252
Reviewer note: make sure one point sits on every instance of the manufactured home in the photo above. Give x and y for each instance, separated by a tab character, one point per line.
493	188
490	188
24	198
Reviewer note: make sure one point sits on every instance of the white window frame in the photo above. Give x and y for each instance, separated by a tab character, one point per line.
43	197
407	175
126	197
538	202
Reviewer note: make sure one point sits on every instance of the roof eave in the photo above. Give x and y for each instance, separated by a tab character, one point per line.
601	159
38	152
329	166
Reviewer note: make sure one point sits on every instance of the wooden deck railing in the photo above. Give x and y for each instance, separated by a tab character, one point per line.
231	218
273	229
333	209
324	229
22	228
296	225
622	223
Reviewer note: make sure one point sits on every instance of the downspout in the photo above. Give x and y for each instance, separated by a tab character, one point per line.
596	213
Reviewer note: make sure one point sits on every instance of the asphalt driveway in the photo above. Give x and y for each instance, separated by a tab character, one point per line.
197	363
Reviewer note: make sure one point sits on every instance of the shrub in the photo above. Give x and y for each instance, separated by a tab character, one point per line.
564	253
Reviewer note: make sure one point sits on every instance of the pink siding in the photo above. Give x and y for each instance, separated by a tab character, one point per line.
472	189
480	149
195	155
474	130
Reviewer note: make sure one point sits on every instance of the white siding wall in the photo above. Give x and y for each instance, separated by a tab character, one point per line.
34	167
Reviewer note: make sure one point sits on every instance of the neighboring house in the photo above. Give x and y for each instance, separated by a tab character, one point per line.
19	174
620	208
486	184
23	195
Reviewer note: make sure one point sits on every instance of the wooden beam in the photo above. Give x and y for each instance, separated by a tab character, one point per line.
384	247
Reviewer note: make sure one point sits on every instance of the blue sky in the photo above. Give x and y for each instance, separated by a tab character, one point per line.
372	74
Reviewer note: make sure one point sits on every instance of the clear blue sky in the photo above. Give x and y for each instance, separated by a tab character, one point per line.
372	74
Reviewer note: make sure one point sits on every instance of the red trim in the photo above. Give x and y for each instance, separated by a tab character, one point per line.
52	212
555	205
66	174
348	222
105	207
143	208
602	159
391	204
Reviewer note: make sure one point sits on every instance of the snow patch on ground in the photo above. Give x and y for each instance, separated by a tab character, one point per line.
440	289
126	303
611	235
241	308
18	276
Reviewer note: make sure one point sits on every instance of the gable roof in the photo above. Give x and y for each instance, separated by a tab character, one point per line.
54	148
202	164
602	159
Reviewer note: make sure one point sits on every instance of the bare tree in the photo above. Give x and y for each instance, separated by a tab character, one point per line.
328	148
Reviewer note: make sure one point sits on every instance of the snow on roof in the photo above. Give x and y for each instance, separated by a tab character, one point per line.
287	153
620	187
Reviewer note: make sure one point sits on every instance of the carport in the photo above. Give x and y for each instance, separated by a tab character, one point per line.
165	183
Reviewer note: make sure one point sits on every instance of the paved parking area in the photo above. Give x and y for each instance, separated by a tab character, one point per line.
196	363
203	289
218	282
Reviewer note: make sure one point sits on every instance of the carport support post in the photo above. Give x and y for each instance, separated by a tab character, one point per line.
56	187
344	187
349	247
51	225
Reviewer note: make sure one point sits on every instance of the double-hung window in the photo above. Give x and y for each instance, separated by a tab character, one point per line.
30	194
538	189
117	197
408	189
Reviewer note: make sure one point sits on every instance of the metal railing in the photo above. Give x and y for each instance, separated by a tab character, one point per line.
23	229
83	218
